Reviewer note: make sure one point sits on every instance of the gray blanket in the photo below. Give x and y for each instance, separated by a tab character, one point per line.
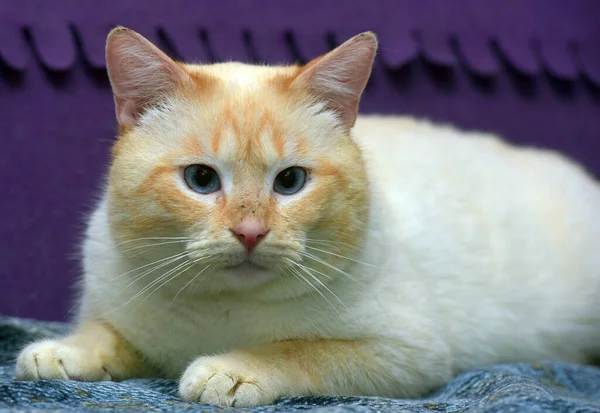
521	388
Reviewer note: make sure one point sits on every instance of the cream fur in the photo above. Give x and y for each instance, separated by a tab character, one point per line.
474	252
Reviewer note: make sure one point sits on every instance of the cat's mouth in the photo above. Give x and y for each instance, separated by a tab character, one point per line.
248	265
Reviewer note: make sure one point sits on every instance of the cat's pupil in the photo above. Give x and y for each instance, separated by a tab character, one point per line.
288	178
204	176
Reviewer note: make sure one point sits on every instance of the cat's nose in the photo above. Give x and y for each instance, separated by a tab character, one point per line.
249	233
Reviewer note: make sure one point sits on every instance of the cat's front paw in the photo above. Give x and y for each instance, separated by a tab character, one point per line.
52	359
229	381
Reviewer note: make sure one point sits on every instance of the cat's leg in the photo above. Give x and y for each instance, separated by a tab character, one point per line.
94	352
324	367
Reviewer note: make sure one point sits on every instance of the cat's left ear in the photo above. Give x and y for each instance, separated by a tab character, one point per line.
140	74
339	77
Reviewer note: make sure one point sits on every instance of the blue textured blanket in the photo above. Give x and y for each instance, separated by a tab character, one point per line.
521	388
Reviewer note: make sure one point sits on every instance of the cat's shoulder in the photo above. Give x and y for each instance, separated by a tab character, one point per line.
397	135
393	129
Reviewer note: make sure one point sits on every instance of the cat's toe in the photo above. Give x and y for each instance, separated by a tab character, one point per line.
218	381
55	360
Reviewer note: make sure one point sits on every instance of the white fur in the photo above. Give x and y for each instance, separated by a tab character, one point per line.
489	255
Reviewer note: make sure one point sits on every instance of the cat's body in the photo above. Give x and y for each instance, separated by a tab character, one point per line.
427	251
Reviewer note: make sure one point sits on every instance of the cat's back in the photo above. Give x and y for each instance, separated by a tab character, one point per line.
403	152
423	144
482	219
475	180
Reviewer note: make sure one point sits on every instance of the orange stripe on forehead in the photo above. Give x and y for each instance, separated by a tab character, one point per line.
278	142
267	125
254	144
248	112
265	119
216	139
232	121
248	151
254	127
301	148
192	146
224	126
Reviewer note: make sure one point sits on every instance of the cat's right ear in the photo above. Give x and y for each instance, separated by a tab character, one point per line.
140	74
339	77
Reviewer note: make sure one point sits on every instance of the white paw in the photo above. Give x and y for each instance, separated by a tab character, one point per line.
52	359
225	381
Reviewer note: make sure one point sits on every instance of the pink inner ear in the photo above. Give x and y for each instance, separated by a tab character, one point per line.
127	111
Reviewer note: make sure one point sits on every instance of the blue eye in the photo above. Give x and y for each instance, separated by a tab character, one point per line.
290	181
202	179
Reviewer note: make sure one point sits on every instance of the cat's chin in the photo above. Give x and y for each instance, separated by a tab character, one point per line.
247	273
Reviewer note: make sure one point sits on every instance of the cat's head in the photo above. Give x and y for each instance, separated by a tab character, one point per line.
248	170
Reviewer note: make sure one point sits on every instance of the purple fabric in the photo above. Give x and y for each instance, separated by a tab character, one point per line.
529	70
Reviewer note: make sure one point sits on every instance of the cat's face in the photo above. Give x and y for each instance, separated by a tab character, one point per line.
256	174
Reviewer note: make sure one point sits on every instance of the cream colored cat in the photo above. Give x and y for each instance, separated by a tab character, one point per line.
255	242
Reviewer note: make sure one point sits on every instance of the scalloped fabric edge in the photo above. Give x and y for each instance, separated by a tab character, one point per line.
56	47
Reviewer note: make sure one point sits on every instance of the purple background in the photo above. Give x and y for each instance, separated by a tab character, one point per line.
527	69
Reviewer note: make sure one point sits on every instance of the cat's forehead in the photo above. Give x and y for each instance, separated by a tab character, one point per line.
245	117
240	77
248	131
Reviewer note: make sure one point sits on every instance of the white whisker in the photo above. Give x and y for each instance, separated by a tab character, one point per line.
170	259
188	266
314	288
333	267
308	272
304	282
190	281
151	270
343	256
147	265
150	285
153	239
154	245
330	242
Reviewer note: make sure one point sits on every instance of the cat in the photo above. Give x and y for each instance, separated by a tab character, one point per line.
258	239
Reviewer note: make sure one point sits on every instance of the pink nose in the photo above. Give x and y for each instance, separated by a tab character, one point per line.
249	233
